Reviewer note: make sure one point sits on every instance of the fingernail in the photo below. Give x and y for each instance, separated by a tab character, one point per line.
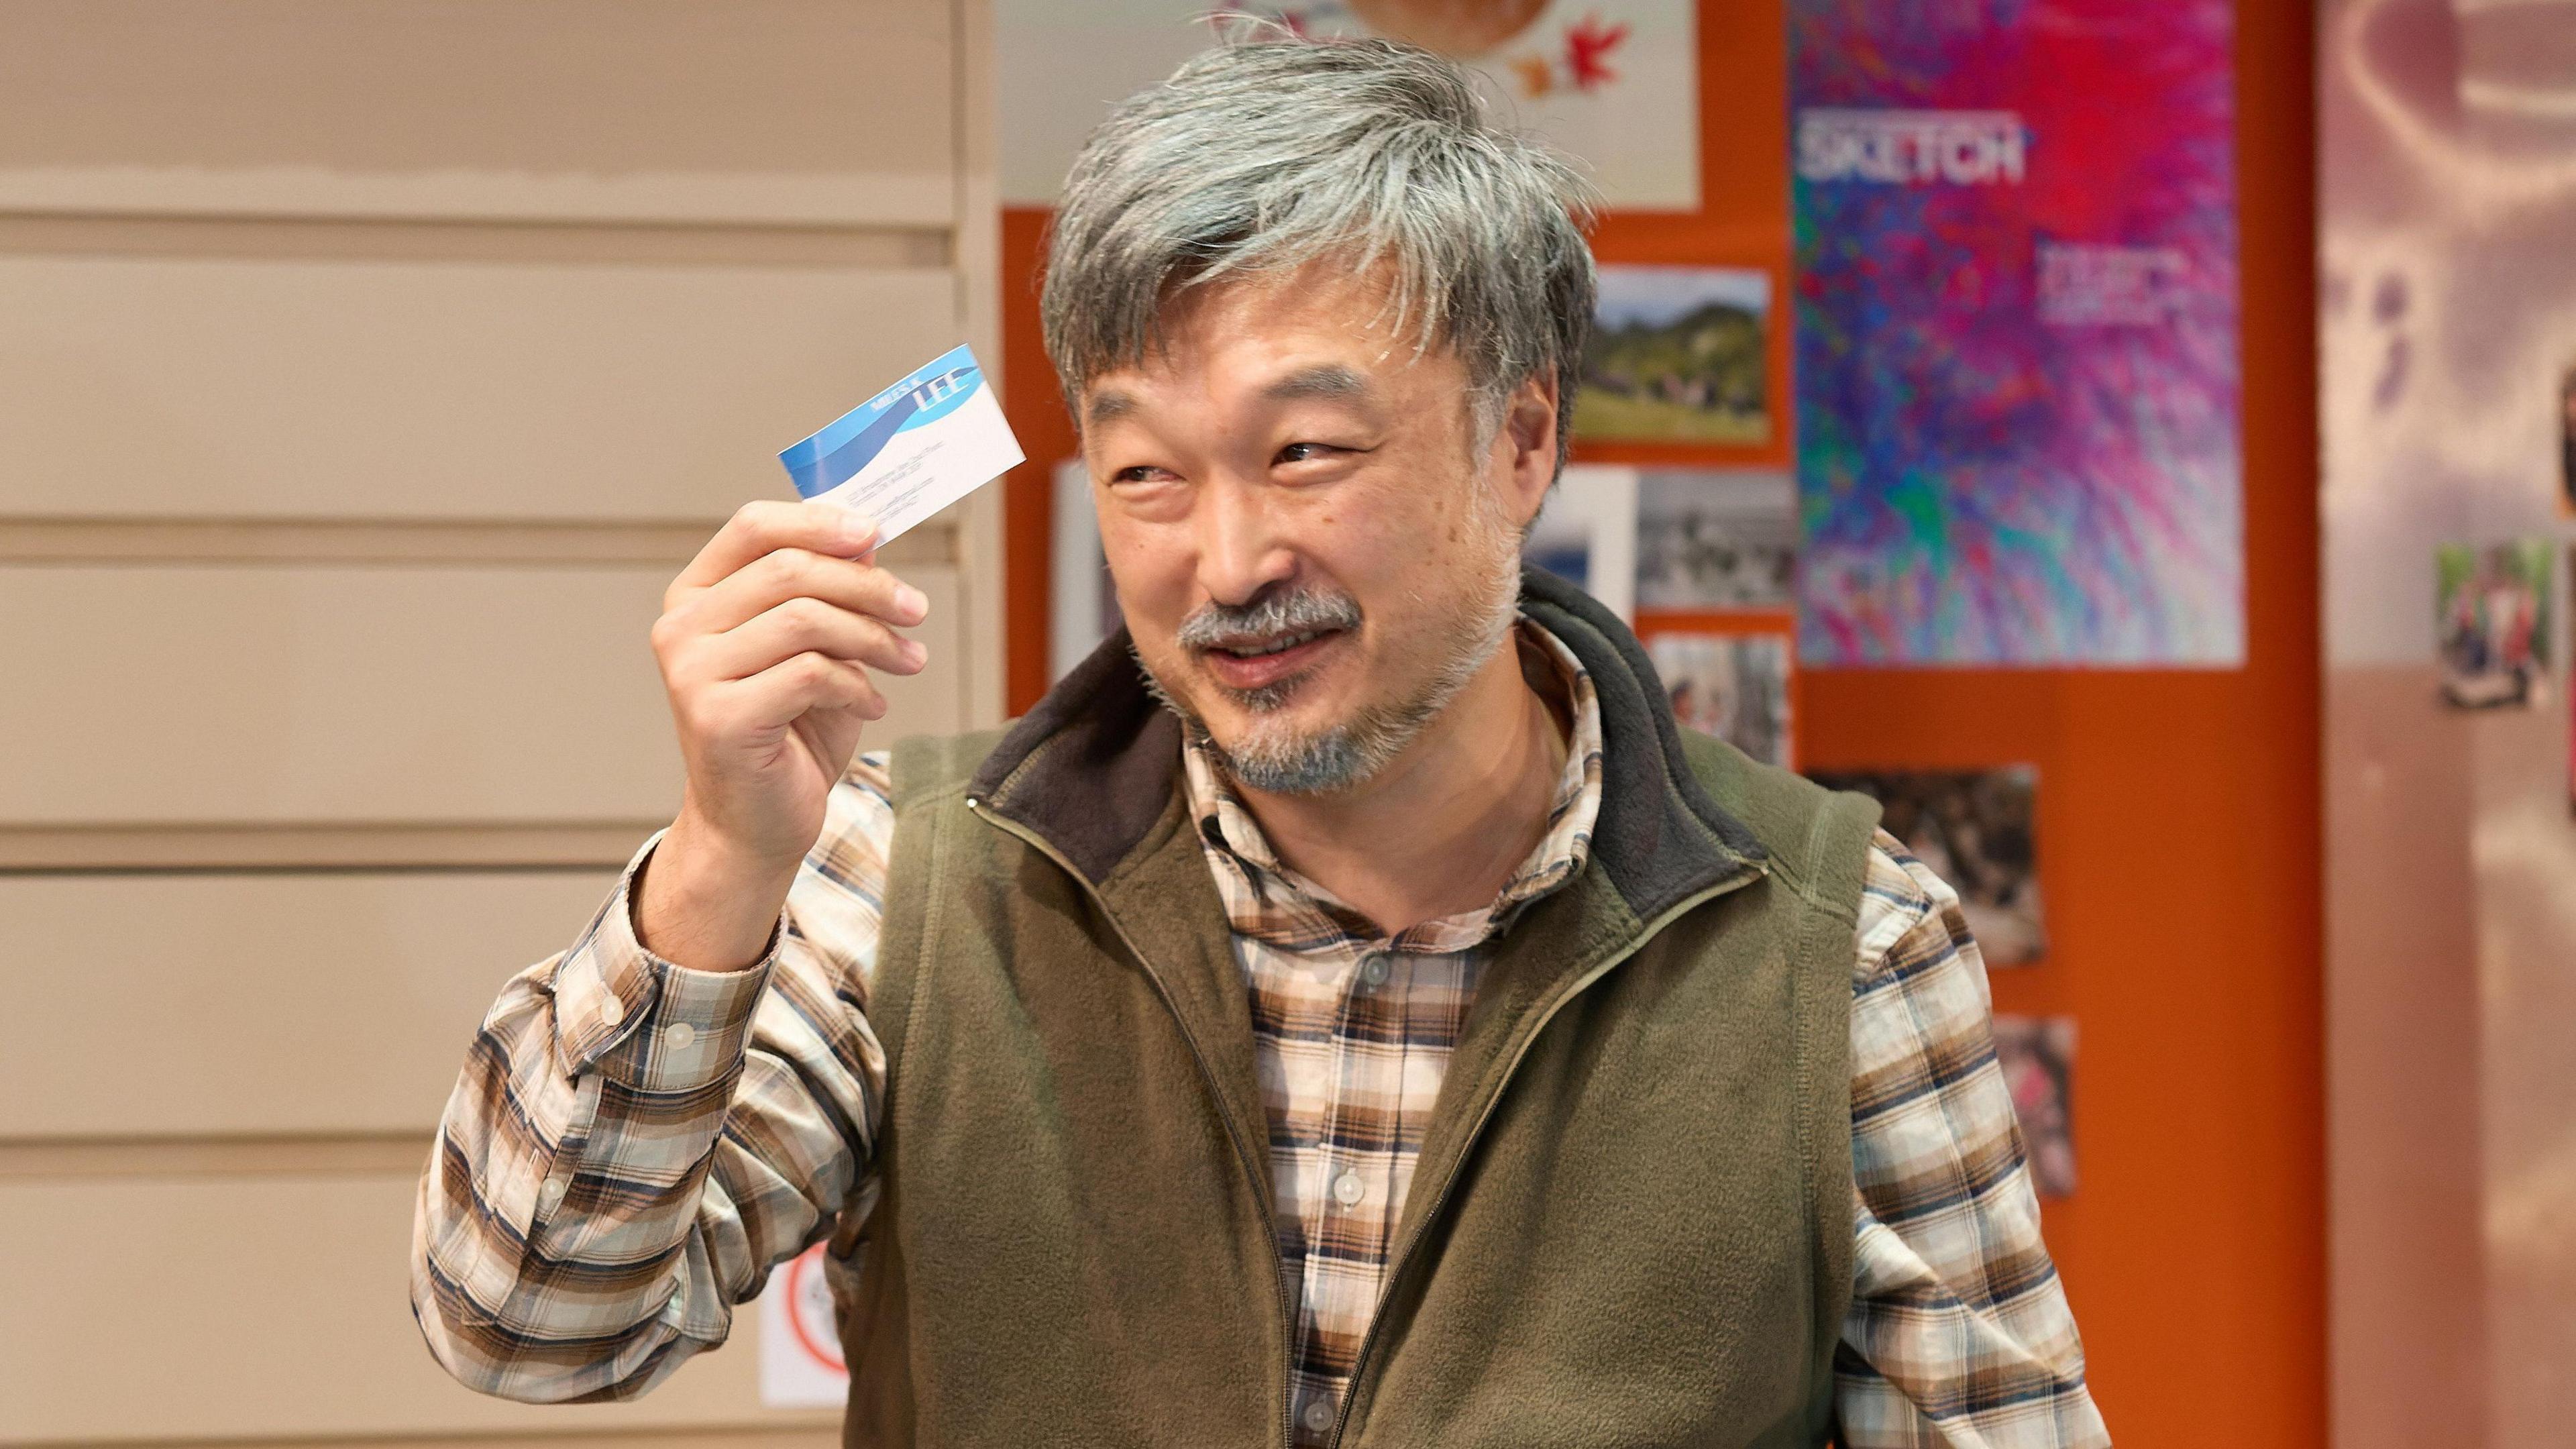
911	600
858	530
916	652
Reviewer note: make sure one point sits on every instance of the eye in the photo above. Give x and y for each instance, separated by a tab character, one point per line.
1304	452
1141	473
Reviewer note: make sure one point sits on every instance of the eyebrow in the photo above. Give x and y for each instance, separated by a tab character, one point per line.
1329	381
1105	407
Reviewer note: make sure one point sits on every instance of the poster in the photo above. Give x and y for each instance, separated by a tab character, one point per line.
1976	830
2037	1057
1677	354
800	1338
2491	616
1716	538
1734	685
2015	319
1612	83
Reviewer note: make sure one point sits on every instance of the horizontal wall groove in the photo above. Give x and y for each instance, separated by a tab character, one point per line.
349	1154
534	543
199	848
279	239
680	197
815	1432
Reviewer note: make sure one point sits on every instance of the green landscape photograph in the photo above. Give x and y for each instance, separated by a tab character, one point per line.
1677	355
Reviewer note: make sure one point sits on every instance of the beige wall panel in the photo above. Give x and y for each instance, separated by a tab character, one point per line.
242	694
134	387
788	94
263	1309
330	1004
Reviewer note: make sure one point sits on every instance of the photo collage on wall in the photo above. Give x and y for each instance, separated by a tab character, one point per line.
1787	450
1978	831
1717	559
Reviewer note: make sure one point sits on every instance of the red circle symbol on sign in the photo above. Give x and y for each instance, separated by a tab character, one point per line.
809	1310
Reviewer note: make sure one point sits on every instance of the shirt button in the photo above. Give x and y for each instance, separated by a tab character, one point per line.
1319	1415
1348	1189
551	1196
1374	971
678	1035
612	1010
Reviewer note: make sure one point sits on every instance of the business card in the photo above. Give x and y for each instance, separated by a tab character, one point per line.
911	450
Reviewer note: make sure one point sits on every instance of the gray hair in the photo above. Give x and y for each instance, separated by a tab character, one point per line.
1265	154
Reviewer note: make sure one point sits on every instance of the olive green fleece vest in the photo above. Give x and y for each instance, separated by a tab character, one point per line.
1631	1223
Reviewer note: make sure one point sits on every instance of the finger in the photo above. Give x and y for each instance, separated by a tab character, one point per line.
768	525
789	573
778	695
805	625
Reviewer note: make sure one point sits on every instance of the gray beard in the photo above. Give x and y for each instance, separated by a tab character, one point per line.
1279	762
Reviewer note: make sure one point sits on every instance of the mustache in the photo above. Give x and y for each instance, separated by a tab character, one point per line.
1284	611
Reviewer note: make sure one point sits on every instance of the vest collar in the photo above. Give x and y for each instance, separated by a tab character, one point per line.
1096	766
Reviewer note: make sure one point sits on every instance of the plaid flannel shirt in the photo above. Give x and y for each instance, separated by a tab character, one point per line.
633	1144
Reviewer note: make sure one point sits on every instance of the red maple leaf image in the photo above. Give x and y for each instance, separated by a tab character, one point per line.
1588	44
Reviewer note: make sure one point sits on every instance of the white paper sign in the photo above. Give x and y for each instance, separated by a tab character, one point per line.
1613	83
800	1340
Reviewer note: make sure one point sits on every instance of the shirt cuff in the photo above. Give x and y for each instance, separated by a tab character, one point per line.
645	1021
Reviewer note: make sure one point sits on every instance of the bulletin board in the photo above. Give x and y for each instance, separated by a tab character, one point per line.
2176	810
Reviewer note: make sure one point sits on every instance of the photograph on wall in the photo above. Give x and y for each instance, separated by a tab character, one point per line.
2567	441
2015	327
1677	355
2037	1057
2491	621
1614	84
1731	685
1977	830
1586	534
1716	538
1082	609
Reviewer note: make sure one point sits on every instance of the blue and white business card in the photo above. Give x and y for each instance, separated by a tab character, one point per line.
911	450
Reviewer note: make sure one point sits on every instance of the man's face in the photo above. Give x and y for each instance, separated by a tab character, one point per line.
1313	549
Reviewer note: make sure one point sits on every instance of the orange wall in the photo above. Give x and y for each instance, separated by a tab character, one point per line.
2179	811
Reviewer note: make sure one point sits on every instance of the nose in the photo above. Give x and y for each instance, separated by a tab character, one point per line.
1242	549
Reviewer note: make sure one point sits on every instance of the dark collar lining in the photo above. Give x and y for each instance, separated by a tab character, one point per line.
1096	764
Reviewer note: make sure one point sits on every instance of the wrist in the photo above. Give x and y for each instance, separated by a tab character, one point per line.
706	904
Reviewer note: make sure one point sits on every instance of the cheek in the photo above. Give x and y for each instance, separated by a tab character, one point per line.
1152	568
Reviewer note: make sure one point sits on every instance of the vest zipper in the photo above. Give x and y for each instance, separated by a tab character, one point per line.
1484	1114
1216	1097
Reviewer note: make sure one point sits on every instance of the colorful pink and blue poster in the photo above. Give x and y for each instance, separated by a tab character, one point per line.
2016	332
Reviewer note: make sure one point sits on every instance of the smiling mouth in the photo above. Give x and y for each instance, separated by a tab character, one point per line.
1280	645
1248	665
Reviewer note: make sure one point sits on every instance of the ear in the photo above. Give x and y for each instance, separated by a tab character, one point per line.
1524	450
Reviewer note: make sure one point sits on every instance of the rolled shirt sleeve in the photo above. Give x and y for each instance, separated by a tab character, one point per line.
1959	1333
633	1144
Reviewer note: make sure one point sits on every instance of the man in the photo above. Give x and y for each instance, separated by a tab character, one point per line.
1355	1016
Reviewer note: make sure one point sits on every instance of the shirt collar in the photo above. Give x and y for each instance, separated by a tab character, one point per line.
1268	899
